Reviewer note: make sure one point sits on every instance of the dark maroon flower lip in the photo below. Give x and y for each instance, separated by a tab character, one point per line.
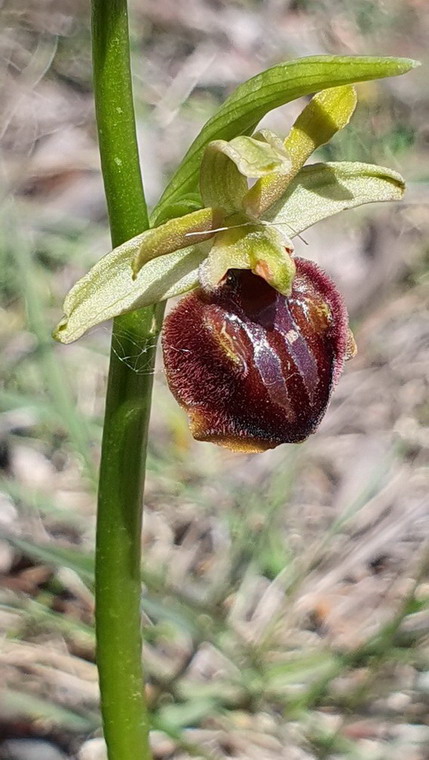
252	368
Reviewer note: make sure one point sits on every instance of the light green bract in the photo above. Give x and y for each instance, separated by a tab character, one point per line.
198	236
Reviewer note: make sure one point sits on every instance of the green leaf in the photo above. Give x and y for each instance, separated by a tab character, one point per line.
327	113
264	250
108	289
243	110
226	165
185	205
171	236
322	190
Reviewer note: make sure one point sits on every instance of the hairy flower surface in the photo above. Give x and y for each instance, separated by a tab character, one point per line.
251	367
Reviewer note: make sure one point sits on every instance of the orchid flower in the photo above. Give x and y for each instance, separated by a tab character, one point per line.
254	350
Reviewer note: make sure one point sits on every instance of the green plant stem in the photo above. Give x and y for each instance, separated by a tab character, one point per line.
118	549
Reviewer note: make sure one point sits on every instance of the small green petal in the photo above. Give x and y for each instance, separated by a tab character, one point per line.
278	145
226	165
221	183
258	155
322	190
173	235
262	249
327	113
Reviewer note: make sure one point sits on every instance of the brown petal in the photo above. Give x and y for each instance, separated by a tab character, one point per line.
252	368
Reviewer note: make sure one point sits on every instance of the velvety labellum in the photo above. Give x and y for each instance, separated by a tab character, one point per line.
251	367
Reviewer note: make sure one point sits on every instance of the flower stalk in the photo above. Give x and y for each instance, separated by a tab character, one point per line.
118	549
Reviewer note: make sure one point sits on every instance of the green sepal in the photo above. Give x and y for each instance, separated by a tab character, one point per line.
173	235
108	289
262	249
246	106
322	190
327	113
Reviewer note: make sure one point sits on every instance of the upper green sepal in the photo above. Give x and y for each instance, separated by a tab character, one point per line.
248	104
255	156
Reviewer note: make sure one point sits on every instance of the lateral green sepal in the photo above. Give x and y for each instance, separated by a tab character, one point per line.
108	289
322	190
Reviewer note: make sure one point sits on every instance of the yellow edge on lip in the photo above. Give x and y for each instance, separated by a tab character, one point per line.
234	443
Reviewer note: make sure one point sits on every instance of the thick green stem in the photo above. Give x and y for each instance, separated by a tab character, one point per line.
118	552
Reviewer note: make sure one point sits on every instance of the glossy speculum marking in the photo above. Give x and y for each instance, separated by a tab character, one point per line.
253	368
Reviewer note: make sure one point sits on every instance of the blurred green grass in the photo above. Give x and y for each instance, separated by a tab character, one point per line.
233	545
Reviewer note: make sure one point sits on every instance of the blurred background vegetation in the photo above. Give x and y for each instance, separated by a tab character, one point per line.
286	596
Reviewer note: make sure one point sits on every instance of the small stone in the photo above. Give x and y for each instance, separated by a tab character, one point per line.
6	557
328	722
161	744
94	749
30	749
8	512
422	682
409	733
398	701
370	749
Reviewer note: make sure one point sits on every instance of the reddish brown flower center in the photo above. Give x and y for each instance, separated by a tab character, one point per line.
252	368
